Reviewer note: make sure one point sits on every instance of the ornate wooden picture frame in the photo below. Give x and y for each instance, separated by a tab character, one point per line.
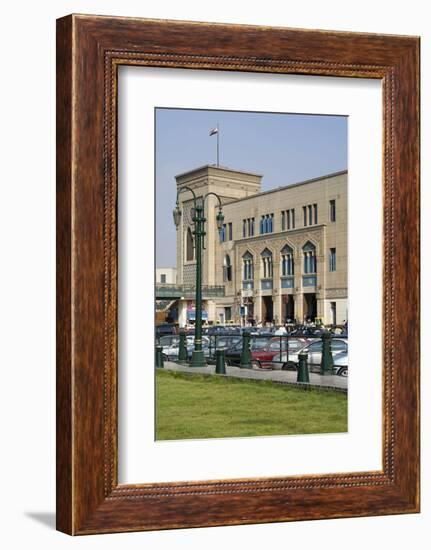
89	51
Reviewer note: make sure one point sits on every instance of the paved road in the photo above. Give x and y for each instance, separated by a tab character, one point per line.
281	376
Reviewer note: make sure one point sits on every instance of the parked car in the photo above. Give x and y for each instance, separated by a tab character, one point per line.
233	353
221	329
165	329
262	358
168	341
306	332
258	331
339	358
314	351
260	341
170	345
208	353
224	341
295	345
341	367
340	331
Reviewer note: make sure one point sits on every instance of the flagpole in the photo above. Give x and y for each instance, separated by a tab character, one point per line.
218	150
216	130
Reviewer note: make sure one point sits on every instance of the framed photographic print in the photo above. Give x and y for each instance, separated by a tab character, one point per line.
237	274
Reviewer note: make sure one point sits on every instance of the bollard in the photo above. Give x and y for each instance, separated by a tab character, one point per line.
303	375
182	348
220	362
327	363
210	347
245	355
159	357
214	347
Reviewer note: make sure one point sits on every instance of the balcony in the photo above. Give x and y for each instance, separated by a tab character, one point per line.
266	284
287	282
247	285
309	280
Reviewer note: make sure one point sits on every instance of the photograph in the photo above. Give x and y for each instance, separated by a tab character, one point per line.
211	302
251	273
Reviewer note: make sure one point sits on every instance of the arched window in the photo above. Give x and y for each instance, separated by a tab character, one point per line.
287	261
266	257
247	266
190	252
227	269
309	251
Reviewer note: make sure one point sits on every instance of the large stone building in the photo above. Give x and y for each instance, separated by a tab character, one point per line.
282	254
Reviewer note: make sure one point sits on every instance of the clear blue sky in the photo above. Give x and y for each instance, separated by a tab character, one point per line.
284	148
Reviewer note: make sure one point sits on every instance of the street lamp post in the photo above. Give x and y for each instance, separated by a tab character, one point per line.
198	358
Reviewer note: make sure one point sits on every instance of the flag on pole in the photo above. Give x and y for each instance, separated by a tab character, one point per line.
214	131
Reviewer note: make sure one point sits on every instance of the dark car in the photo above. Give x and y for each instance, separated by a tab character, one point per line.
221	329
224	341
338	331
307	332
165	329
258	331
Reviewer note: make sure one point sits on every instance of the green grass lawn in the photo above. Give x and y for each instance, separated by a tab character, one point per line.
199	406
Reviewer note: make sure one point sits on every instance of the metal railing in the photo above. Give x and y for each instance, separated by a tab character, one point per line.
233	344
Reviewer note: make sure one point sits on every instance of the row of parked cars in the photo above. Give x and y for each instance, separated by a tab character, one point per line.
301	331
287	358
267	351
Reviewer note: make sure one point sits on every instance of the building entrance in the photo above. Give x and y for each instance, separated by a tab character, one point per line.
267	309
246	311
334	313
228	314
288	308
310	307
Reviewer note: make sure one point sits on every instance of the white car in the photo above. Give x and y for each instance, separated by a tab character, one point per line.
339	346
170	345
341	367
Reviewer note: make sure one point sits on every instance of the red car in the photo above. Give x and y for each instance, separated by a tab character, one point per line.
262	358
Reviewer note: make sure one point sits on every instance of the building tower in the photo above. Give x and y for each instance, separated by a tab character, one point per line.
229	185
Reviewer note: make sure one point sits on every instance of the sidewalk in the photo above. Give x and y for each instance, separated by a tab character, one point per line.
337	383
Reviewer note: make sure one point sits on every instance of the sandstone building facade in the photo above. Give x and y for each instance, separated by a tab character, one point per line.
282	254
